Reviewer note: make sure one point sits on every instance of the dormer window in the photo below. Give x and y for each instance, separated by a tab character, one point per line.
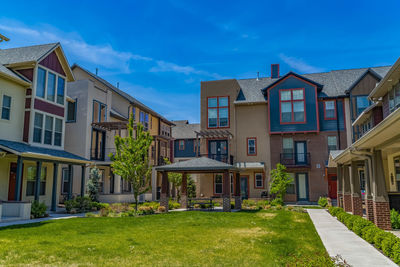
50	86
292	105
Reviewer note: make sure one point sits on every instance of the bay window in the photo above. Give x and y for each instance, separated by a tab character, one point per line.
41	83
60	90
218	112
58	132
292	105
50	85
37	128
48	130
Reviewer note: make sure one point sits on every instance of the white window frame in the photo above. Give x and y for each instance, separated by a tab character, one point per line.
44	98
262	179
44	114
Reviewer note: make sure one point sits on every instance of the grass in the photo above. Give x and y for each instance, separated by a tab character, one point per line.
264	238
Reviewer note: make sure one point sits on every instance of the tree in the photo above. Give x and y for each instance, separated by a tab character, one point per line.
93	184
176	180
280	181
131	159
191	187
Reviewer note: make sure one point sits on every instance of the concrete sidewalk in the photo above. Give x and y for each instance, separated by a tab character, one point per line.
339	240
53	216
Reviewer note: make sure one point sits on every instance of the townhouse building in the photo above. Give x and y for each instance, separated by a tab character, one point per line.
295	120
33	105
97	112
185	140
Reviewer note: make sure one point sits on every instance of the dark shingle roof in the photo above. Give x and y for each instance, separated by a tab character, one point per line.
185	130
197	164
34	150
335	83
25	54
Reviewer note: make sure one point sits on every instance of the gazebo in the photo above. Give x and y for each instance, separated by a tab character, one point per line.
198	166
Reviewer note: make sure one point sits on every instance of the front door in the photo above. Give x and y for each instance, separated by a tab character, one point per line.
244	189
218	150
302	186
301	152
13	181
332	186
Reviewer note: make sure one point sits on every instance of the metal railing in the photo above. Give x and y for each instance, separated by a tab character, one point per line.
223	158
295	159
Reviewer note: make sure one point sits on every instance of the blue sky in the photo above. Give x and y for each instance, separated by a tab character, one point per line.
159	51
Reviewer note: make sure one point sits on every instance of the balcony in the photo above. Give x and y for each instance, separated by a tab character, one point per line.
223	158
295	159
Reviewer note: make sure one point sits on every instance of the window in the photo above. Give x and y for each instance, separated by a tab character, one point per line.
394	97
218	184
232	190
397	172
134	113
292	105
251	146
332	143
58	132
99	111
258	180
361	176
144	119
288	148
60	90
101	181
362	103
71	111
31	181
218	112
65	181
291	189
98	145
181	144
6	108
38	127
48	130
51	86
41	82
330	110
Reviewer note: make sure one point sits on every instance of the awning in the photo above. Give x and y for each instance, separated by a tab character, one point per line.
34	152
250	165
202	164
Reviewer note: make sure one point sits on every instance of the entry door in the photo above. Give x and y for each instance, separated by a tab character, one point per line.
332	186
244	189
13	181
302	186
218	150
301	152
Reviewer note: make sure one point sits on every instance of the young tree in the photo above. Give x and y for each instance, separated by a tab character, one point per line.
280	181
131	159
93	184
191	187
176	180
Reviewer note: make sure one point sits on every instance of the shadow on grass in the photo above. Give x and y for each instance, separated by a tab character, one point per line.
23	226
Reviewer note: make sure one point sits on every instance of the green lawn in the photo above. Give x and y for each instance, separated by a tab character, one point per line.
264	238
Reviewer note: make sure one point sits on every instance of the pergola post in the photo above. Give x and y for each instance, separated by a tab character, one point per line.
340	185
184	191
54	189
18	184
164	197
70	184
356	201
226	194
346	189
238	200
369	207
37	182
380	197
83	181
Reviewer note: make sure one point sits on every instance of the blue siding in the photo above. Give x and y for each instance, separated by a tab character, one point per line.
187	152
311	116
331	125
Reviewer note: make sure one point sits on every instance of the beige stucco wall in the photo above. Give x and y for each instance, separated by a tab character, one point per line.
12	129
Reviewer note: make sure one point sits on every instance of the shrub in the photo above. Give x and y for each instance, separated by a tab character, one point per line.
359	224
369	232
161	209
38	210
395	219
93	184
335	210
278	207
262	204
145	210
388	243
79	204
99	206
277	201
379	237
172	205
396	252
323	202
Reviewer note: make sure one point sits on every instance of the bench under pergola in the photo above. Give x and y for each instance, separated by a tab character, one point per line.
198	166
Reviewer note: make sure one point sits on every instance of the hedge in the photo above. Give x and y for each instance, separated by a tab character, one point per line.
385	241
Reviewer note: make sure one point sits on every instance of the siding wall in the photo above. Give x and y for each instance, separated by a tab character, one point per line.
332	125
187	152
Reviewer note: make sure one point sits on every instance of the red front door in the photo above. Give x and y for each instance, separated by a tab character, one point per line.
13	181
332	186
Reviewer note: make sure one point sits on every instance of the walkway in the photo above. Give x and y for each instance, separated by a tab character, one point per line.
53	216
338	240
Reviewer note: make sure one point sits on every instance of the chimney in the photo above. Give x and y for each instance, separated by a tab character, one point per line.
97	71
274	71
118	85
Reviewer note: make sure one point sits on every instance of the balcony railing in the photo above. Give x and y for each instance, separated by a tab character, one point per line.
223	158
295	159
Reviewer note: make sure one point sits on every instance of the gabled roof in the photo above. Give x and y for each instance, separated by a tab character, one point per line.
202	164
128	97
369	70
390	79
319	86
185	130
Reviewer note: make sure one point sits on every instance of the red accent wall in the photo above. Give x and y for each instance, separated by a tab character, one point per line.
48	107
378	115
28	73
52	62
385	106
25	136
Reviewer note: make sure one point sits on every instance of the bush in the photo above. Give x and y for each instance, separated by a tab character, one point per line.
276	202
172	205
396	252
359	224
145	210
38	210
335	210
323	202
379	237
395	219
388	243
161	209
99	206
369	232
79	204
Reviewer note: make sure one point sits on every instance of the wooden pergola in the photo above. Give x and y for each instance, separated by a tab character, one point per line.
196	166
209	134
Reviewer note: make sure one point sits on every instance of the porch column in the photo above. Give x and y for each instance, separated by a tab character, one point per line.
37	182
346	189
356	201
70	176
238	200
83	183
369	207
54	189
226	192
164	197
184	191
18	183
340	185
381	206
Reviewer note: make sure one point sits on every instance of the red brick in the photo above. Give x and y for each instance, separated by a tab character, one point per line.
356	203
347	206
382	215
369	208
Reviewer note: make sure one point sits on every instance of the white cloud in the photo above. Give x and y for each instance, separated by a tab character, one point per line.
299	64
163	66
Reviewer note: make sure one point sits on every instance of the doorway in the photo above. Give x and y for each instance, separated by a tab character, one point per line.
218	150
332	186
13	181
302	186
244	187
301	152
